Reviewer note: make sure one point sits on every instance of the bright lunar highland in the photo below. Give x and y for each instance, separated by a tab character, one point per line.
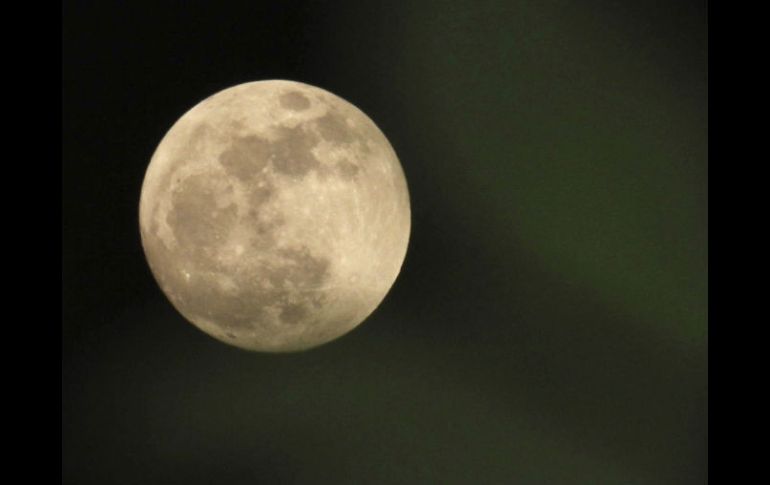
275	216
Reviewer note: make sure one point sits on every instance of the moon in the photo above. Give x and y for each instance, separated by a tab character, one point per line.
275	216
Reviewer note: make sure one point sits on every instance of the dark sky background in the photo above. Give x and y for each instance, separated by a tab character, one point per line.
549	325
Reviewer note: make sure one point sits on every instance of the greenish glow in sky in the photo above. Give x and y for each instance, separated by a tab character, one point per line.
585	144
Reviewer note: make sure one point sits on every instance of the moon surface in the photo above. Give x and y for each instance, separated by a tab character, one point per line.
275	216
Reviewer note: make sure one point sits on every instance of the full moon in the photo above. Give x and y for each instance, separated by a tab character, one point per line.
275	216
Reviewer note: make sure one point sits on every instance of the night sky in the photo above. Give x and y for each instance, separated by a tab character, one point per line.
550	322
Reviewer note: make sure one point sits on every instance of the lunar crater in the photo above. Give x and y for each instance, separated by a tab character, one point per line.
333	128
292	154
199	217
299	270
346	169
295	101
246	157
